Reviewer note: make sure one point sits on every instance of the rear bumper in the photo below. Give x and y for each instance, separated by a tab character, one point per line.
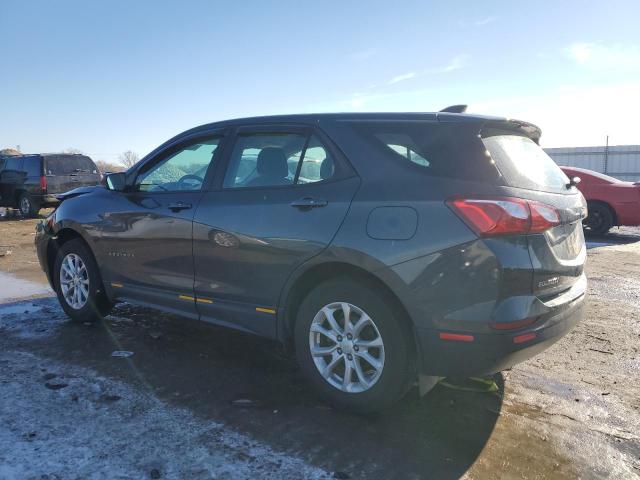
492	352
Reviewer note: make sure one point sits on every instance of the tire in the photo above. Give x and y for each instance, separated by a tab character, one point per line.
28	207
600	219
385	386
96	304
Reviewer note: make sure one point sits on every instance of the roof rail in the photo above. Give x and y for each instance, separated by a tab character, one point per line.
455	109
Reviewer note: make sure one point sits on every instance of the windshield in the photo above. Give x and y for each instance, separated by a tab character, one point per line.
524	164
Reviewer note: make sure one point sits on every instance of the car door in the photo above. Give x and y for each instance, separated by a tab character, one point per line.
283	197
146	233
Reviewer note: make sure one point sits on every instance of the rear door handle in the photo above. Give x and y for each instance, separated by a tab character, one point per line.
309	202
177	206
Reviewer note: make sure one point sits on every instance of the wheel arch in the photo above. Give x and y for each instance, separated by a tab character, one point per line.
306	280
63	236
607	205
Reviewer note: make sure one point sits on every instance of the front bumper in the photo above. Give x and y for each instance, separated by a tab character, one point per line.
42	238
492	352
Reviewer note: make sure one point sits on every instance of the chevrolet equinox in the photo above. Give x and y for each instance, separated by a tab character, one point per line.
382	248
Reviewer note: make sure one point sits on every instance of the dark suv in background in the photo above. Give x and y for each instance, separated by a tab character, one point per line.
31	182
380	247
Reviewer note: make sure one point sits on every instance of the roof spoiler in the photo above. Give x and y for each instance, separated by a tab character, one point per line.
455	109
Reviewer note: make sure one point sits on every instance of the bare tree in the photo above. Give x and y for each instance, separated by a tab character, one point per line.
73	150
106	167
129	158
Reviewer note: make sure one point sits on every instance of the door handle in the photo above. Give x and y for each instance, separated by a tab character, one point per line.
309	202
177	206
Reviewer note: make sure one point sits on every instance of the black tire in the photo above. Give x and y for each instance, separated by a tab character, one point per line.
397	373
28	207
97	304
600	219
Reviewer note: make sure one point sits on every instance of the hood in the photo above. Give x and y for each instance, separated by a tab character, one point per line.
77	192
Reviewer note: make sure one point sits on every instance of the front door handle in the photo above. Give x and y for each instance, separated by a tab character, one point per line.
309	202
177	206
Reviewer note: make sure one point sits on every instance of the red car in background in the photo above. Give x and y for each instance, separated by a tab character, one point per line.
611	202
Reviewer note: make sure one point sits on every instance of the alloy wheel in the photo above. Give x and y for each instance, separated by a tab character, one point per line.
25	206
346	347
74	281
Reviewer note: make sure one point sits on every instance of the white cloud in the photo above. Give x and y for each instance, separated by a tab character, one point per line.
456	63
403	77
484	21
601	57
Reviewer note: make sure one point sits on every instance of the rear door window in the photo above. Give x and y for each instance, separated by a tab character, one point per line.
69	164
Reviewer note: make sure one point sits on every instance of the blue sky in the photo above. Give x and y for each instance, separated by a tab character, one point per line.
106	77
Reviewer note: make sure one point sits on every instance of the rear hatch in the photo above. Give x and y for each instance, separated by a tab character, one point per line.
65	172
557	253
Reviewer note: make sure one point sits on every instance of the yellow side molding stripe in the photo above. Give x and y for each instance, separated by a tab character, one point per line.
265	310
186	297
116	285
203	300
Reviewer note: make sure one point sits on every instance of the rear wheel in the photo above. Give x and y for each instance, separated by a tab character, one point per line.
600	219
28	207
78	284
353	346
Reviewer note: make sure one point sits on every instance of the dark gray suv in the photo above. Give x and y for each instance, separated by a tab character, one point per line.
382	247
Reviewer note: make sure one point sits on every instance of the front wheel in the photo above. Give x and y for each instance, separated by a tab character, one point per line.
78	284
353	346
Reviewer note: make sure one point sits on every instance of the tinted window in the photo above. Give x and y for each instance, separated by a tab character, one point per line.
183	170
453	151
13	164
524	164
32	166
68	164
317	163
263	160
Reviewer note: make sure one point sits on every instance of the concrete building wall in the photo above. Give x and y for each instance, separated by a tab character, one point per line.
620	161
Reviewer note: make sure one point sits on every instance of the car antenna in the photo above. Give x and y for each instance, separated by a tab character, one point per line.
455	109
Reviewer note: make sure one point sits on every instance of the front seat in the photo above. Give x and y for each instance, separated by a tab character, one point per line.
272	168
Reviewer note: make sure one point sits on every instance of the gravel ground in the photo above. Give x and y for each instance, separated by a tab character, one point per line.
196	401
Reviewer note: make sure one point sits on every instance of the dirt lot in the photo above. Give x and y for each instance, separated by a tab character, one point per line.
69	409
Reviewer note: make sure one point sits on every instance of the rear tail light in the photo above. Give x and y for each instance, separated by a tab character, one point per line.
505	215
43	183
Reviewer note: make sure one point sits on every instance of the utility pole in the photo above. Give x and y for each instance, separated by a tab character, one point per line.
606	156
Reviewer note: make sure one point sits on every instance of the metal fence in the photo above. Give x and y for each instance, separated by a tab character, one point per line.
620	161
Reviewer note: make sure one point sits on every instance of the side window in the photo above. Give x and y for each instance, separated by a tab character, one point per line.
406	151
317	163
2	161
262	160
14	164
183	170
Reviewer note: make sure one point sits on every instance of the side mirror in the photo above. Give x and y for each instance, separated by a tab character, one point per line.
116	181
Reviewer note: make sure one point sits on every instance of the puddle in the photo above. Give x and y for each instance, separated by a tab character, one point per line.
13	288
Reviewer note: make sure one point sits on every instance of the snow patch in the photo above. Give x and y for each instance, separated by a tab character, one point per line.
13	288
93	427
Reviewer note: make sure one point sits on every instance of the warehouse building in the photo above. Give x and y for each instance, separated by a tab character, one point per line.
620	161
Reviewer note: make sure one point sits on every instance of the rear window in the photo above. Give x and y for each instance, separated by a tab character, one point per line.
32	166
441	150
68	164
524	164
